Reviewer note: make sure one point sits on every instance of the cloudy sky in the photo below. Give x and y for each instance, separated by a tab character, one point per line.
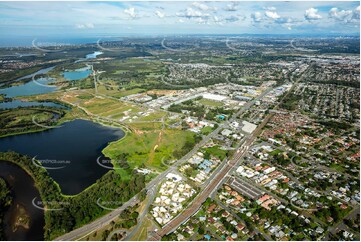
191	17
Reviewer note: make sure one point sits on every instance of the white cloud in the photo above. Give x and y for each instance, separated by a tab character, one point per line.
231	7
151	16
130	12
202	6
272	15
256	17
231	19
340	15
217	20
221	20
159	14
356	14
345	15
311	14
85	26
192	13
201	20
270	8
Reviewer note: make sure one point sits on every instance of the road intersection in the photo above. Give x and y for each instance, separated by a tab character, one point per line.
105	220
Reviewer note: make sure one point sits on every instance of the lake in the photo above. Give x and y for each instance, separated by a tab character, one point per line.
23	191
40	85
29	88
74	147
39	72
77	74
19	103
93	55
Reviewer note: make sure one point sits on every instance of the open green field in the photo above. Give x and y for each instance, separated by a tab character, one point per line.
126	71
143	234
20	120
206	130
210	103
114	92
102	105
216	151
150	148
146	126
153	115
112	108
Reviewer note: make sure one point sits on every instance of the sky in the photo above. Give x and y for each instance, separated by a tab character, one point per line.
24	19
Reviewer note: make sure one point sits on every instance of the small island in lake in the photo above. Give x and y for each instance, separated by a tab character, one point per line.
22	218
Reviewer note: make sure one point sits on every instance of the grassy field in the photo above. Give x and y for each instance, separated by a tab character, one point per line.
206	130
149	148
98	235
210	103
337	167
149	116
217	152
147	126
72	113
130	72
143	231
20	120
112	108
114	92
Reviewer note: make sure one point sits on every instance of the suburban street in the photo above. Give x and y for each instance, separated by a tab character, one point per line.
180	121
86	229
204	194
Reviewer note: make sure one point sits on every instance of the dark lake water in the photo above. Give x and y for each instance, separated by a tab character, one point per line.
29	88
41	71
23	191
74	147
43	85
77	74
93	55
18	103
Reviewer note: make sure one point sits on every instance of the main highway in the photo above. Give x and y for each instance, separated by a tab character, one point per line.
204	194
220	177
106	219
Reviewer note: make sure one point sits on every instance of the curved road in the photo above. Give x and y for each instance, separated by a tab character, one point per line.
86	229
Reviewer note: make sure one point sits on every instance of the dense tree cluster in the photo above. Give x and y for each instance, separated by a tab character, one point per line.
5	202
82	208
19	120
290	102
333	211
198	110
188	146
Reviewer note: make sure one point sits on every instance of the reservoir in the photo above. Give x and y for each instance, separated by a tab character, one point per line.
93	55
77	74
42	71
23	191
42	85
29	88
19	103
70	152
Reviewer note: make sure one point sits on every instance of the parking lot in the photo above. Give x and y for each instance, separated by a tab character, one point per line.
245	188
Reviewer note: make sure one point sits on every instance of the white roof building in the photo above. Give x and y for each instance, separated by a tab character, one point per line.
159	220
248	127
226	132
214	97
174	177
269	170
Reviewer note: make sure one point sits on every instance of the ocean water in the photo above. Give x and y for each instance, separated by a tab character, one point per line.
27	41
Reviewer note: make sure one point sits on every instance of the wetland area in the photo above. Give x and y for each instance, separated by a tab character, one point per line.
69	152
